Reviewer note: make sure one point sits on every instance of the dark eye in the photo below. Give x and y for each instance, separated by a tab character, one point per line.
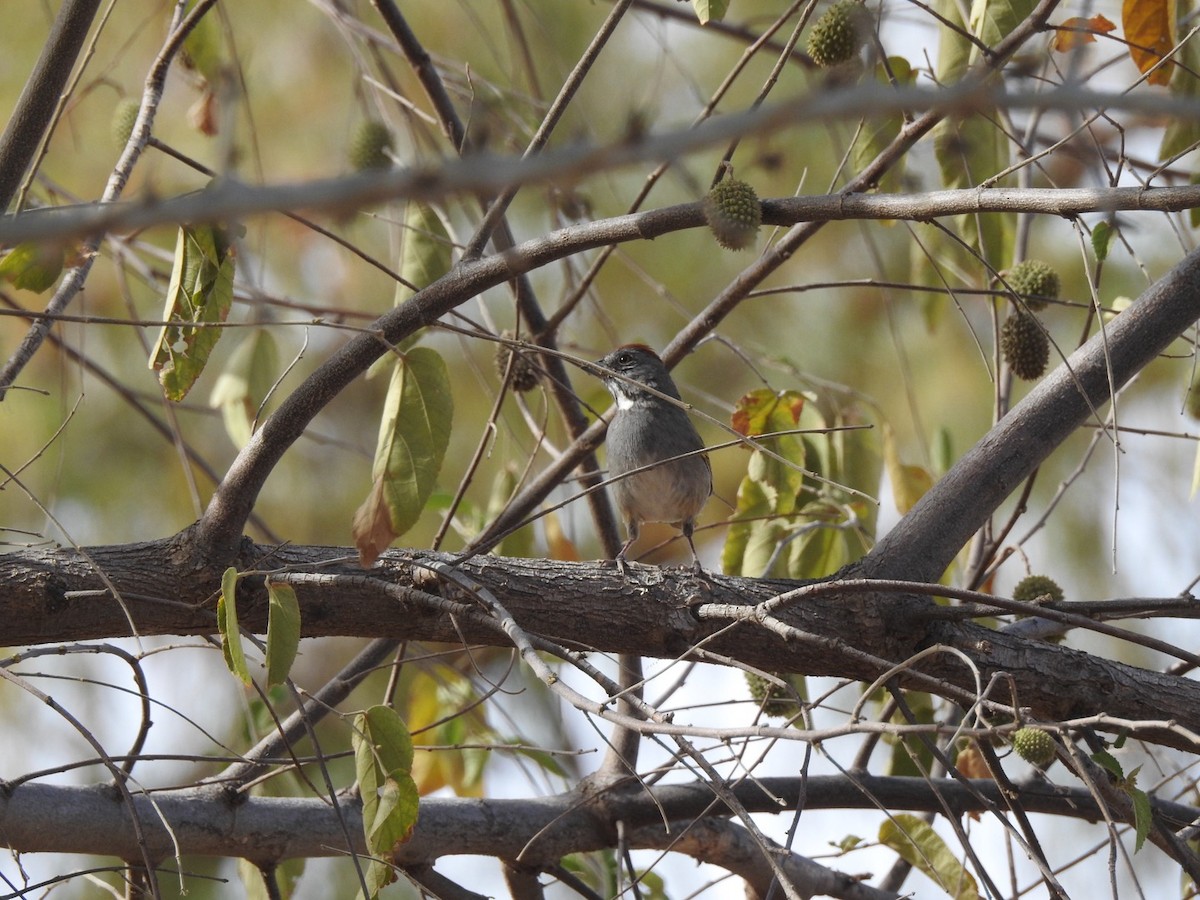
625	359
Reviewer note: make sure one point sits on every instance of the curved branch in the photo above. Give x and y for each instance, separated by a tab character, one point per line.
929	537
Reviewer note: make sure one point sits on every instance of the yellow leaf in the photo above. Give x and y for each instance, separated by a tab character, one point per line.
1149	29
909	483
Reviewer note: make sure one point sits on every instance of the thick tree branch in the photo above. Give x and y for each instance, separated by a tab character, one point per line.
268	829
56	595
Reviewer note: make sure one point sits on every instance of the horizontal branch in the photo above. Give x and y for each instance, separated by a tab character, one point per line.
229	199
53	596
270	829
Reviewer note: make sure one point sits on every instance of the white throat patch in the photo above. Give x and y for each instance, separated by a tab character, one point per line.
624	401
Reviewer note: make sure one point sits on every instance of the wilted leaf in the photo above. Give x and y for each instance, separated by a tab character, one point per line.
1149	27
33	266
764	411
202	115
971	764
413	436
769	490
917	843
227	626
199	295
383	759
283	631
1078	30
244	383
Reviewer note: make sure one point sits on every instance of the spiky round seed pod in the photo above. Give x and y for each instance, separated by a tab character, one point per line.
838	34
369	146
1037	588
1024	345
770	697
525	373
733	214
124	117
1033	280
1034	745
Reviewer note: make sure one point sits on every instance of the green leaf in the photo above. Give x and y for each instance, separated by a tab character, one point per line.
383	758
227	625
910	755
1102	235
33	266
1182	133
1143	816
954	48
1108	762
918	844
875	135
969	151
202	48
710	10
283	631
244	383
200	294
425	255
287	876
413	436
993	20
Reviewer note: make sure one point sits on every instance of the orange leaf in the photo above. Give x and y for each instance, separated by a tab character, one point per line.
970	762
1149	29
1077	31
559	546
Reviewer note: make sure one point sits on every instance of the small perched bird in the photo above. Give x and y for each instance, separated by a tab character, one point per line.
648	431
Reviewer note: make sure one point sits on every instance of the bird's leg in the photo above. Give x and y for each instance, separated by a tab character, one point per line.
687	528
632	527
